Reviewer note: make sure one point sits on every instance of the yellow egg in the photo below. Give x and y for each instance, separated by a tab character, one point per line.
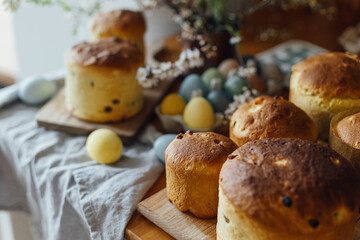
199	114
104	146
172	104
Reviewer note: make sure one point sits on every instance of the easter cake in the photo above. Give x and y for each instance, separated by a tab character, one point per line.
269	117
193	162
123	24
345	135
324	85
100	84
287	189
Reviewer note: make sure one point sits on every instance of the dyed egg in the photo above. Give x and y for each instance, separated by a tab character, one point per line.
104	146
192	83
161	144
218	100
234	85
199	114
210	74
172	104
36	90
272	71
227	65
257	83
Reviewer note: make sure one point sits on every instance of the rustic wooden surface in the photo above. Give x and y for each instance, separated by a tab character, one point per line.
181	226
55	116
300	25
139	227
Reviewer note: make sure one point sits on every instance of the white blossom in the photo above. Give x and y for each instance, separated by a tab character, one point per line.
246	71
178	19
188	59
149	3
240	99
235	40
194	58
142	74
165	66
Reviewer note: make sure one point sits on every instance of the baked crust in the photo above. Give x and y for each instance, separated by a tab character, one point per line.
193	162
266	117
122	21
330	75
318	182
110	52
196	149
348	130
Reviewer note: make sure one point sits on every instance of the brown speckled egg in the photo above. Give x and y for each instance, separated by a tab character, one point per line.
257	82
272	71
227	65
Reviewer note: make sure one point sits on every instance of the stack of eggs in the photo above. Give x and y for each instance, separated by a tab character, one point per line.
200	97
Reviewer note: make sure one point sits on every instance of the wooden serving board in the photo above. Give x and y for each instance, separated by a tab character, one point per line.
183	226
55	116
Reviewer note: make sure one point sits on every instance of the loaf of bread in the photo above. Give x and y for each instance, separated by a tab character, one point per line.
345	135
324	85
268	117
101	84
282	188
193	162
123	24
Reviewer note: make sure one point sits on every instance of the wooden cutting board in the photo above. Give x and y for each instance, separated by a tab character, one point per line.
55	116
183	226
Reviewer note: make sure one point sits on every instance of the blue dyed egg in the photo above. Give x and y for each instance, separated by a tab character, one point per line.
161	144
218	100
234	85
192	83
36	90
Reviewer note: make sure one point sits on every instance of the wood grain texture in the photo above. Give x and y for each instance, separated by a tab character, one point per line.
141	228
55	116
182	226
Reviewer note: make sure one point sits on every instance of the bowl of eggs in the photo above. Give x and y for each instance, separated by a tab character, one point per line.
201	101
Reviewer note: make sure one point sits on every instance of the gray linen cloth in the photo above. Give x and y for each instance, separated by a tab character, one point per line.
69	196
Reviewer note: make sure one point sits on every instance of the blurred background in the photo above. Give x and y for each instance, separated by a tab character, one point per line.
45	32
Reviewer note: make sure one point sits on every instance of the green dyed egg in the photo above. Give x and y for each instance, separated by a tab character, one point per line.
234	86
210	74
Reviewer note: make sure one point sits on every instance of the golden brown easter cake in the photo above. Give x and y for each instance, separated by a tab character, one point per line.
193	162
283	189
101	84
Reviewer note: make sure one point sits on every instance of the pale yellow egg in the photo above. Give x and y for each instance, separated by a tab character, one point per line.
104	146
172	104
199	114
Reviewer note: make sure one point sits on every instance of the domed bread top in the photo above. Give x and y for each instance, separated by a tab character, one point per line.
330	75
348	130
202	149
290	184
266	117
130	22
110	52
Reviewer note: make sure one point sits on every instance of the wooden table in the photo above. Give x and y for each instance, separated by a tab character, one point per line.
302	25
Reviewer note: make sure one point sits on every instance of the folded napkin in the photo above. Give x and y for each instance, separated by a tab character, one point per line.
69	196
